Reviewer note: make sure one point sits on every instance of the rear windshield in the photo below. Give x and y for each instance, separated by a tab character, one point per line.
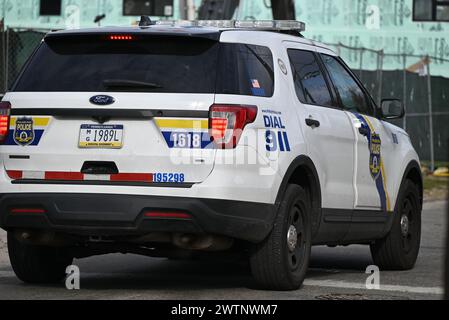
171	65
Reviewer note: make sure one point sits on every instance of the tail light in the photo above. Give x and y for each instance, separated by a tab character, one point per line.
226	123
5	111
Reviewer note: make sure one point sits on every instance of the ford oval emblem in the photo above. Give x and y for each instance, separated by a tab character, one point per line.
102	100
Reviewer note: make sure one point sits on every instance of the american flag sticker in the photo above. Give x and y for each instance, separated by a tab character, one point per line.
255	83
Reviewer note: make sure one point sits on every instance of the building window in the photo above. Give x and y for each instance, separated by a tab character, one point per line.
148	7
50	8
431	10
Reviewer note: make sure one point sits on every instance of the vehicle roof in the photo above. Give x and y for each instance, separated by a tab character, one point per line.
212	33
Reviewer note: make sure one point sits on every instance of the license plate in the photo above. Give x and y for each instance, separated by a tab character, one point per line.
101	136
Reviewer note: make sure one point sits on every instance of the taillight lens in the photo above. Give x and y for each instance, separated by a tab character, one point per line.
5	111
226	123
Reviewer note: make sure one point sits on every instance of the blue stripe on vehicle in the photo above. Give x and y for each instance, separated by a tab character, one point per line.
204	138
379	180
37	138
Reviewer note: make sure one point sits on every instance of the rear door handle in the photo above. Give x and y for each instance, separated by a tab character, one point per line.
312	122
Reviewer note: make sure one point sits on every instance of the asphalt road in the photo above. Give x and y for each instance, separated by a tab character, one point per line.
335	273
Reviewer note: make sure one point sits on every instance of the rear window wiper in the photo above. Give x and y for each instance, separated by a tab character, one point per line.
129	84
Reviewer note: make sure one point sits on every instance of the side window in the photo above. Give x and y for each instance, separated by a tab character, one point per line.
352	96
245	69
310	84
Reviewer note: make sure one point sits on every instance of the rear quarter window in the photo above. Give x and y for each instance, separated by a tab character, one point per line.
245	70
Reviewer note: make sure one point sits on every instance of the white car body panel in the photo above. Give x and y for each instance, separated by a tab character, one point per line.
343	178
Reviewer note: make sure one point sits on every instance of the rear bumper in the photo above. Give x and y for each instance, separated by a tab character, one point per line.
120	215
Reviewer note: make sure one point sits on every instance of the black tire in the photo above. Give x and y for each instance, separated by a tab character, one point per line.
399	249
273	264
37	264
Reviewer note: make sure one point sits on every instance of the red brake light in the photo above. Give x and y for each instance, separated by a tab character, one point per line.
5	111
120	37
27	210
226	123
162	214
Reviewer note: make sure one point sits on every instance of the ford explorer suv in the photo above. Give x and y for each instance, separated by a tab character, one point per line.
173	139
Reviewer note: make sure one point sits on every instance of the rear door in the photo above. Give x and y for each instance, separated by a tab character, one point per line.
98	107
373	141
327	129
330	140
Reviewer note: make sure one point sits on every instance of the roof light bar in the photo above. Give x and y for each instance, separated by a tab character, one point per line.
278	25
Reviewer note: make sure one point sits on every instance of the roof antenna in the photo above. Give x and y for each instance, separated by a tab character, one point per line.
145	21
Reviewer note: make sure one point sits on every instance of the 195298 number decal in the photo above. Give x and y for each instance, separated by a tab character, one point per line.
168	177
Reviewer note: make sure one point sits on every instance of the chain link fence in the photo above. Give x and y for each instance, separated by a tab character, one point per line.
426	97
16	47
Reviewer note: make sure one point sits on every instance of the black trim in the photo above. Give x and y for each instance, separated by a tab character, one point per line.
330	86
336	215
347	226
306	163
18	156
142	33
104	183
110	112
123	215
413	165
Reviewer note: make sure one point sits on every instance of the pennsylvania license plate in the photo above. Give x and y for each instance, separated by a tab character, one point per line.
101	136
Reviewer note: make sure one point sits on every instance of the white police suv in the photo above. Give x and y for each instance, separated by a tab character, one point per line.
176	138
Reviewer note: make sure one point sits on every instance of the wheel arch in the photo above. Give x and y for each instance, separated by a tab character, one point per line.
302	171
412	172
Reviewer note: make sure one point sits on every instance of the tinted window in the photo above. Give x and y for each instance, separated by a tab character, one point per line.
309	80
246	70
175	65
352	96
50	8
156	65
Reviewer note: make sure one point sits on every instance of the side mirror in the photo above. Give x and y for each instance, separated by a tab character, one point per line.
392	109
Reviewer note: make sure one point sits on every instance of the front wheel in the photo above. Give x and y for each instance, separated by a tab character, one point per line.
399	249
37	264
280	262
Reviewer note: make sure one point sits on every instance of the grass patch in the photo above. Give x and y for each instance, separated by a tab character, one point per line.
438	164
436	188
431	182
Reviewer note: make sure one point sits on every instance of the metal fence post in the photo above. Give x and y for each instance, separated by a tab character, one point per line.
380	65
429	93
361	63
404	90
3	54
6	59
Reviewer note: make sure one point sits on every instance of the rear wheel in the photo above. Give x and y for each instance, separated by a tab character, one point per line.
399	249
37	264
280	262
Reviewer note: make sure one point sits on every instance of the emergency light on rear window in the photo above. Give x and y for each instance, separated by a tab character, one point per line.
120	37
